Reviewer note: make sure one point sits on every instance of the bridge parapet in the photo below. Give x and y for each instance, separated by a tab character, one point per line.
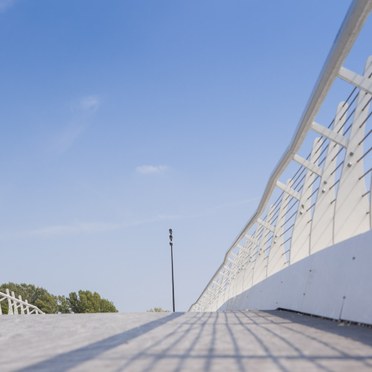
316	201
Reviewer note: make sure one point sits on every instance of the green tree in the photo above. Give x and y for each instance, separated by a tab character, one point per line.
89	302
63	305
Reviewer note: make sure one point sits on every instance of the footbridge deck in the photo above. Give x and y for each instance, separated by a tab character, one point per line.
230	341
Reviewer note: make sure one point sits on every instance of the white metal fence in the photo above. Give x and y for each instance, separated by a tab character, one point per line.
17	305
327	197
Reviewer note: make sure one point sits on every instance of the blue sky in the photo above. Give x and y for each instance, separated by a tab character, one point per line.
121	119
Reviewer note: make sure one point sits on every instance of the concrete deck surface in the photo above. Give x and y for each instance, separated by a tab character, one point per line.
233	341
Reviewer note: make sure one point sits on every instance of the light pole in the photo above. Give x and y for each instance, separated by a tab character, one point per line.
171	247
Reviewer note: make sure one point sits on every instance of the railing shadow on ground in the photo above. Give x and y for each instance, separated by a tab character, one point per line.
201	335
74	358
239	341
291	345
155	357
359	333
318	344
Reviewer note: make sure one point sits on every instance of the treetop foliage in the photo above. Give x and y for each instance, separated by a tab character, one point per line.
88	302
157	310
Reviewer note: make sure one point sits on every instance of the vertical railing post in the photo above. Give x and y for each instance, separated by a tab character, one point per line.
27	307
15	307
21	305
10	306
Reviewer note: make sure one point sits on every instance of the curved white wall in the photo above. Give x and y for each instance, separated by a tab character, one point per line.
335	282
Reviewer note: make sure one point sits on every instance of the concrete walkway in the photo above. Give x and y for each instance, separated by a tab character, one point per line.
234	341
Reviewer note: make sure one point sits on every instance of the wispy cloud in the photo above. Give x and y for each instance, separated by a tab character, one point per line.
73	229
151	169
83	109
234	204
6	4
88	228
101	227
89	103
83	228
68	136
213	210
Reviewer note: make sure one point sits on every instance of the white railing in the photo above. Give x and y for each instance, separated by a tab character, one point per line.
327	197
17	305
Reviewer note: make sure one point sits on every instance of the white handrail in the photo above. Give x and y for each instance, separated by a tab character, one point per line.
35	309
349	30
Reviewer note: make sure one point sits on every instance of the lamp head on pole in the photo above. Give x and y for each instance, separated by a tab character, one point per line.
170	235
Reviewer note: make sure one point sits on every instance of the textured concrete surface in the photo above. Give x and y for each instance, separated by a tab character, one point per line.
232	341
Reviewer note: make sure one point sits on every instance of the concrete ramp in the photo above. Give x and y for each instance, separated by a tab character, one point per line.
231	341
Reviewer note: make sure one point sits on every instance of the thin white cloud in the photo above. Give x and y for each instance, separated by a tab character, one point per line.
6	4
68	137
86	228
73	229
234	204
90	103
213	210
151	169
82	228
80	122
